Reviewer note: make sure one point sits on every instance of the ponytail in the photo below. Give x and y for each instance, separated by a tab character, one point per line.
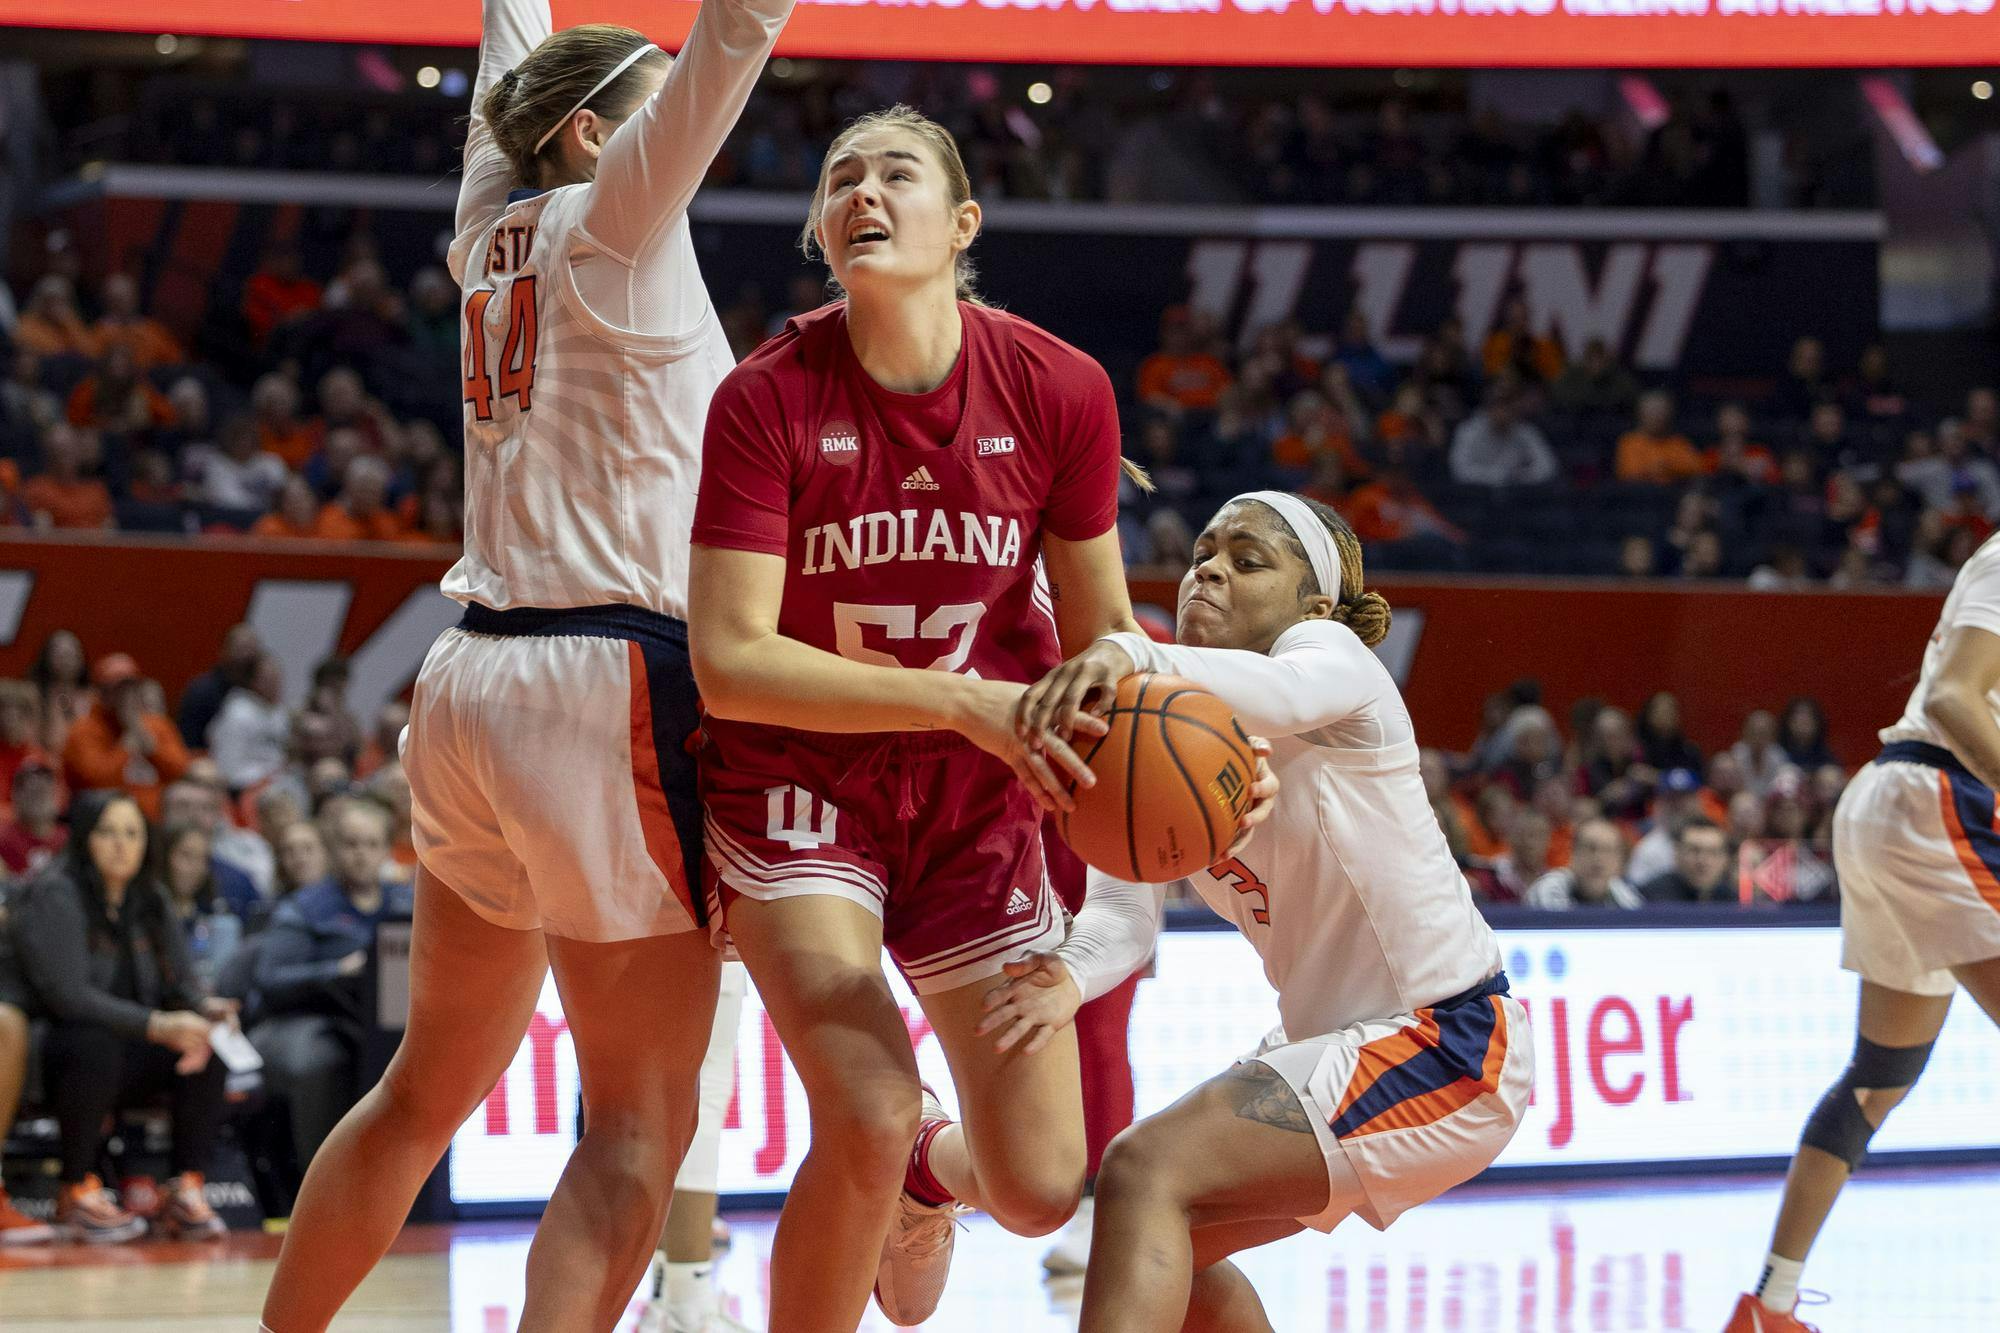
1354	605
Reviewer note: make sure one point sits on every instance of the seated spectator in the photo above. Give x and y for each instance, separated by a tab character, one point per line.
1735	459
384	744
1184	375
1526	858
360	512
1611	768
278	291
344	404
309	974
1826	436
63	495
1318	427
1594	876
1367	369
16	1227
1159	452
1554	798
248	737
1786	571
109	967
26	407
1678	801
198	800
1391	510
121	324
302	857
121	745
34	833
1497	446
1493	810
1662	744
20	728
1700	871
1528	749
1513	346
1982	420
392	788
1596	384
297	516
202	699
274	406
1410	431
1804	735
214	933
1757	751
1637	558
1804	385
51	326
1875	395
63	677
1653	453
237	472
117	399
1704	558
327	702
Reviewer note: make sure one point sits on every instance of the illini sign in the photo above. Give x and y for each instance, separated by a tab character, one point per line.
1190	32
1656	1045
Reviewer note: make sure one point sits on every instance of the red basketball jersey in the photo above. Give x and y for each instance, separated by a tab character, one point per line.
911	524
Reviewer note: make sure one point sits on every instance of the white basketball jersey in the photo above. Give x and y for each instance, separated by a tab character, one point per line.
1348	891
582	441
1974	601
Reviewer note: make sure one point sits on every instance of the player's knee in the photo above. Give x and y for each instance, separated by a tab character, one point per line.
869	1132
1875	1080
1036	1200
1135	1165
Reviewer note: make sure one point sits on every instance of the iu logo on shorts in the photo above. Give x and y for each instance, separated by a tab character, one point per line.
790	819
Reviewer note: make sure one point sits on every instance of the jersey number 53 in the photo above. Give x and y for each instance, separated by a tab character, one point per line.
517	350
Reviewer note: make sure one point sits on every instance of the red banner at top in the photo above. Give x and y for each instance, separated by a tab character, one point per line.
1586	33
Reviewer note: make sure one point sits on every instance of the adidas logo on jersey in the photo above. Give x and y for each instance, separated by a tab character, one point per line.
995	444
1019	902
920	480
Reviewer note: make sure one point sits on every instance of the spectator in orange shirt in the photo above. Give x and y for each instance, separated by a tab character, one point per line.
360	512
51	326
274	401
297	516
1734	456
1183	375
118	399
62	496
1392	509
122	325
1318	427
1653	452
122	745
1410	429
1535	357
1556	803
344	404
277	291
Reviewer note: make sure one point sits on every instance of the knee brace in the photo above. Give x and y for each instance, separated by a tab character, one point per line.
1837	1124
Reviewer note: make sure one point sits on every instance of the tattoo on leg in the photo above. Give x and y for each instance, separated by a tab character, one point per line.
1261	1095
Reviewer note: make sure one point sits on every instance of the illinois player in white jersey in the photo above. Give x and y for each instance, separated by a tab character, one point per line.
1917	848
882	484
1402	1066
554	809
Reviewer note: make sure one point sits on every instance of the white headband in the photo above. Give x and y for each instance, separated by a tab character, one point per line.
1312	535
602	84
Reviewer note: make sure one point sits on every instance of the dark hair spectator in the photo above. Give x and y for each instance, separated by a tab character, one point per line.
214	932
1803	735
242	648
1594	877
1701	867
107	962
33	832
1661	741
62	673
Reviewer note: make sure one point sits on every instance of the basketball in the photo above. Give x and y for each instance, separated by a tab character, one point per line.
1173	780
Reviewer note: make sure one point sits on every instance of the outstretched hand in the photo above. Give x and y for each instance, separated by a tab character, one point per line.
1037	1000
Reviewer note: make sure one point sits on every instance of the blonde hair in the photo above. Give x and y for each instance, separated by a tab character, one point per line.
541	90
957	184
1364	612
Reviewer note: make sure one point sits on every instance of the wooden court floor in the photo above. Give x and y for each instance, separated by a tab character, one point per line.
1907	1251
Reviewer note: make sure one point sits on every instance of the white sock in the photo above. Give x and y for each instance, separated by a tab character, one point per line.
689	1290
1778	1289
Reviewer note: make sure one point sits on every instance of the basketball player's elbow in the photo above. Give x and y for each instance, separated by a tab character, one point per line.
720	674
1958	711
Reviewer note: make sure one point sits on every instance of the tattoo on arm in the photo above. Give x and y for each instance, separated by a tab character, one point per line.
1260	1094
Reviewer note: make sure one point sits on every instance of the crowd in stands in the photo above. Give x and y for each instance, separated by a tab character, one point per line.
227	864
1099	136
1511	456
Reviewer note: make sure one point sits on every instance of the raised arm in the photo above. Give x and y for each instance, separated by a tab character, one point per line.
1317	675
654	161
509	30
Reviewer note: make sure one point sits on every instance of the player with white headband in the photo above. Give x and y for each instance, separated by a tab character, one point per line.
556	818
1401	1066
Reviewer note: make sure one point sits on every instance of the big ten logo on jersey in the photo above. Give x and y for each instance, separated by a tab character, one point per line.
1645	294
1244	880
799	819
839	443
995	444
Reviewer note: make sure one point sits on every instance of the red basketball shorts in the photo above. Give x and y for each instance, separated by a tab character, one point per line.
928	832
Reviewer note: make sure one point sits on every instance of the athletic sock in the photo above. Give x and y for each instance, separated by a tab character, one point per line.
689	1290
918	1182
1778	1289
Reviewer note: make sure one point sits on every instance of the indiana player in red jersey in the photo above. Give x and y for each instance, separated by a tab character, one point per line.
883	484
